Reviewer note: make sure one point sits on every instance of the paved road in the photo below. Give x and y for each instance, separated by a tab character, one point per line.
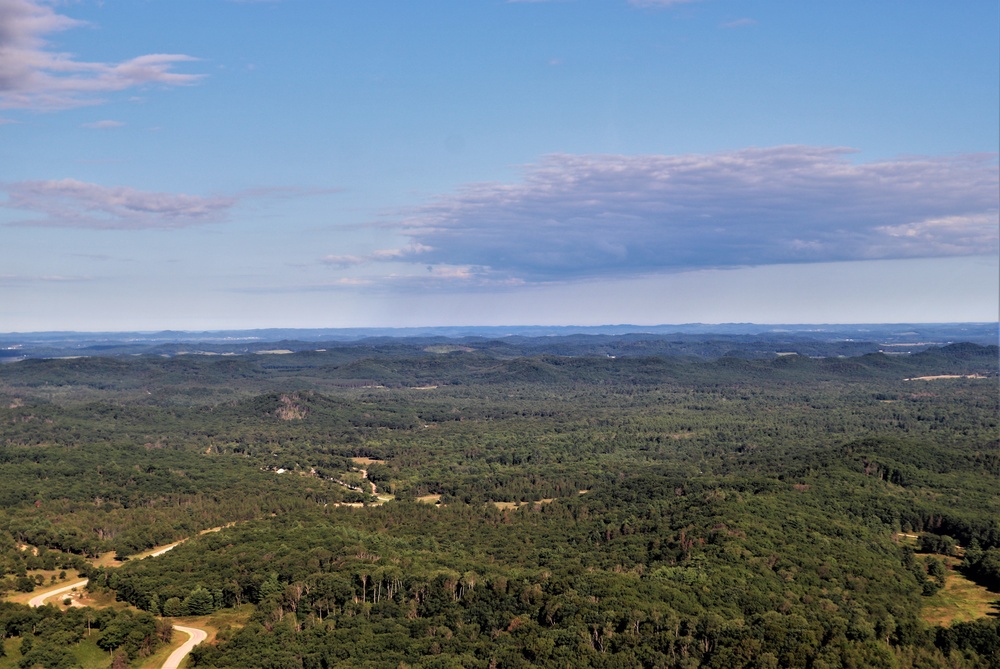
39	600
196	636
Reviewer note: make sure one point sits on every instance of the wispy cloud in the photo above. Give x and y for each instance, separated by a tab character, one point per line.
34	76
406	253
740	23
659	3
99	257
103	125
642	4
69	203
78	204
25	279
343	262
585	216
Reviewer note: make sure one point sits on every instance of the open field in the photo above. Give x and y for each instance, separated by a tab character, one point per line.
960	600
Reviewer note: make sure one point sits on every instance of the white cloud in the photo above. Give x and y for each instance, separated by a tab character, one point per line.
33	76
951	235
584	216
72	203
345	261
406	253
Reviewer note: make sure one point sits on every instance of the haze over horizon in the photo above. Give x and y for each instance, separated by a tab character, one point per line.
240	164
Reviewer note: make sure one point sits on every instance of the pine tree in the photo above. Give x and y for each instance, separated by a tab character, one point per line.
199	602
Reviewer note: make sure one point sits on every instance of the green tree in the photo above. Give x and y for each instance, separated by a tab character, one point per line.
199	602
173	607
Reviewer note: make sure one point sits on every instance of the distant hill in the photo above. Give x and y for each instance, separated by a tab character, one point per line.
557	360
744	340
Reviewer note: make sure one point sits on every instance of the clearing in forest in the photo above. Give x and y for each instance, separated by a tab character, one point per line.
516	505
960	600
364	462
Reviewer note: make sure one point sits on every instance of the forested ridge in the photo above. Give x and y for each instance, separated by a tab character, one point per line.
541	510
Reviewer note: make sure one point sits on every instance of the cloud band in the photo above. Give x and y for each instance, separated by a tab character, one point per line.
578	216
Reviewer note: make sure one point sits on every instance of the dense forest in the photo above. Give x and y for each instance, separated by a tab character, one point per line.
433	505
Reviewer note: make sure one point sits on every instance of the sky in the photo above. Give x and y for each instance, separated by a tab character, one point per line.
226	164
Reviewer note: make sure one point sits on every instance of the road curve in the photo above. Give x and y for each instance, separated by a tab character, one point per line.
195	637
39	600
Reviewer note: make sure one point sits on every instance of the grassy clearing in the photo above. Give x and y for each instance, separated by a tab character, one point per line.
448	348
90	656
11	653
107	560
364	462
156	660
516	505
102	600
87	654
960	600
24	597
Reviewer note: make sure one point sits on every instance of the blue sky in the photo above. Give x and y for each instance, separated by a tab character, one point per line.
209	164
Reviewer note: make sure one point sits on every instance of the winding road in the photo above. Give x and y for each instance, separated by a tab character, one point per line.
39	600
195	635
